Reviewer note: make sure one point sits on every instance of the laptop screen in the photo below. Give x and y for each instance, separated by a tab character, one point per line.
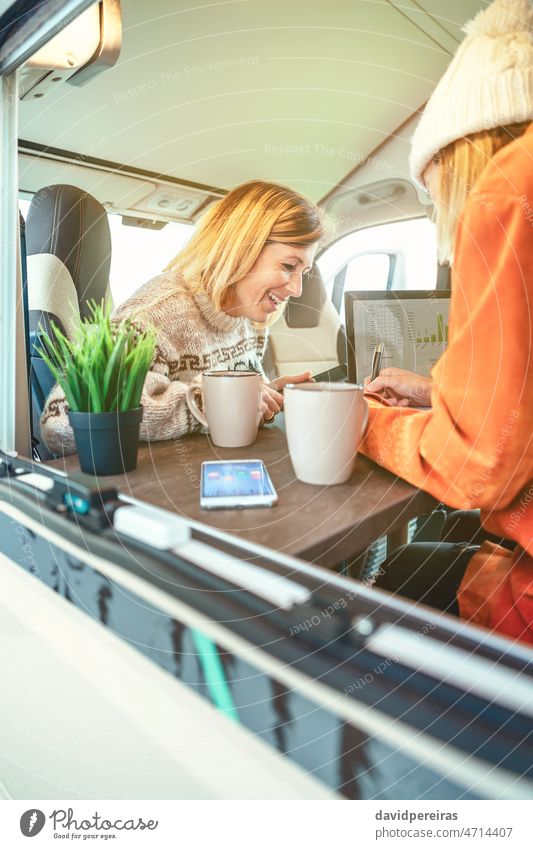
412	327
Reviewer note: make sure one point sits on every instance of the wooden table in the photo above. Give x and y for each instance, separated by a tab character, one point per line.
325	525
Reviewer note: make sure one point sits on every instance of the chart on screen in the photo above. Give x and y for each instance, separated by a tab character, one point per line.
411	326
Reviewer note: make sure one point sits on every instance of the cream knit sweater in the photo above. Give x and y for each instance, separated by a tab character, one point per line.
192	337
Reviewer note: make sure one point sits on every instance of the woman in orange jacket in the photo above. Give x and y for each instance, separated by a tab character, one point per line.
473	449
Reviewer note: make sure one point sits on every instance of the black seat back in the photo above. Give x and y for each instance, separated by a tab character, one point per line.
68	245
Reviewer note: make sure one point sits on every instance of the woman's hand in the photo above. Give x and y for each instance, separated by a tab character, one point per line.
271	393
280	383
271	402
401	388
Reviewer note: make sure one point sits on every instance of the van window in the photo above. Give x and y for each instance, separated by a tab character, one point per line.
137	254
401	255
373	268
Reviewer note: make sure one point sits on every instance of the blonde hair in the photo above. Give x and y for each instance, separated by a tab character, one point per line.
234	231
461	164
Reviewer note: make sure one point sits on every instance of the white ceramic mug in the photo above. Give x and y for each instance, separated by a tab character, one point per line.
325	423
232	406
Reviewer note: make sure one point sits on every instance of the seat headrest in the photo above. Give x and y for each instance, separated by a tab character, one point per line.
305	310
67	223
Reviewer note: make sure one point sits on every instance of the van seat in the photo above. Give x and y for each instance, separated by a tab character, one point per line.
68	245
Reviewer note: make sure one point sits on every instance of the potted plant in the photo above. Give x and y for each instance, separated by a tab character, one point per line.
102	370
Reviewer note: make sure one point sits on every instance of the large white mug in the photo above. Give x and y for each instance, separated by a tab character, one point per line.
232	406
325	423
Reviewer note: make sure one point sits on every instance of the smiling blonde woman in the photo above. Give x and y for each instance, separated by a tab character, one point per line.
212	306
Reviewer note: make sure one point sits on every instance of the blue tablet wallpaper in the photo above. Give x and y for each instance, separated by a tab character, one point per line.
235	479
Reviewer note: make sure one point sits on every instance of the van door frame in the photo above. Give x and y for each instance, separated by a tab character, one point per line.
14	406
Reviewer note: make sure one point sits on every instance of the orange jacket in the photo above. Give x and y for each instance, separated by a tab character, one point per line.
474	448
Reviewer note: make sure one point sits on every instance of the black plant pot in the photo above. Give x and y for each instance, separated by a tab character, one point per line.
107	442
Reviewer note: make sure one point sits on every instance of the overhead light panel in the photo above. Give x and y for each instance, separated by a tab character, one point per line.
109	46
89	45
73	46
176	203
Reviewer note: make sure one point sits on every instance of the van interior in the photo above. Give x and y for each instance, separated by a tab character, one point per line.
202	98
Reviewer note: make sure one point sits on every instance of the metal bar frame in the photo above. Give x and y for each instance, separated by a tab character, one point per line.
14	401
49	18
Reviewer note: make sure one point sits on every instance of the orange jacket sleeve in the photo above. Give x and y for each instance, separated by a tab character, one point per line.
474	448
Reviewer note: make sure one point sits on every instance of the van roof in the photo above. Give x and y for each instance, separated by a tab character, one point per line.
224	92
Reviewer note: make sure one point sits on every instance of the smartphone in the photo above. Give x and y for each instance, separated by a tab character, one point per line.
236	483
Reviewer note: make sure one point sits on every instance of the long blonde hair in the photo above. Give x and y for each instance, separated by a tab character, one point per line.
234	231
461	164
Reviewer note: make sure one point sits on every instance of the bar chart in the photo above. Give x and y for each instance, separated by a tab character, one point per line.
440	337
413	331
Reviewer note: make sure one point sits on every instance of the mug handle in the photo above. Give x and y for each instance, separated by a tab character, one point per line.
193	406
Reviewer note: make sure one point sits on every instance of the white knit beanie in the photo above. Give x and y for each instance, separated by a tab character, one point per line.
488	83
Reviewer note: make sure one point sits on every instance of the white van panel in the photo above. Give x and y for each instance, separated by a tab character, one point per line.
311	348
84	715
113	190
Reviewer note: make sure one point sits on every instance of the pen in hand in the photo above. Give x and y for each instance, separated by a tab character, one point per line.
377	356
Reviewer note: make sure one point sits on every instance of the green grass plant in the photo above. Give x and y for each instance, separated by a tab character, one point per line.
103	367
